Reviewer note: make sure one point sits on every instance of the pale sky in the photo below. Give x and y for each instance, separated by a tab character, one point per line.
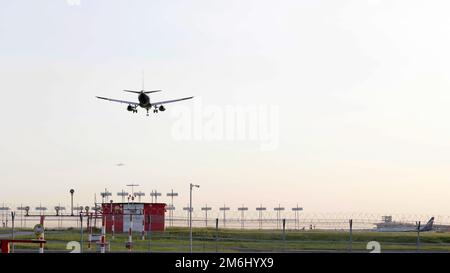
362	89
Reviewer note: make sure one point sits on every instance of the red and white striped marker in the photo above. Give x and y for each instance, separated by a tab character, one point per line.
102	238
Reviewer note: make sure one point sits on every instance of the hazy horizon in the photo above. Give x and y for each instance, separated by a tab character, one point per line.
357	96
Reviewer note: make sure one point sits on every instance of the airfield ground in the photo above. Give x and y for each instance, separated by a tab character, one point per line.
236	240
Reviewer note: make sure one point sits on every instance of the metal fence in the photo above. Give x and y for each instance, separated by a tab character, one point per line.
232	219
234	231
220	239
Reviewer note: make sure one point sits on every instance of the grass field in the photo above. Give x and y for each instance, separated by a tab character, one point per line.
234	240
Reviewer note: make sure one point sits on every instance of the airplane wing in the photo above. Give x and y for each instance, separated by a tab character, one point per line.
170	101
120	101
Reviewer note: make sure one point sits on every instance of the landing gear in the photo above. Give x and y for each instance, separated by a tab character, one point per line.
155	111
147	112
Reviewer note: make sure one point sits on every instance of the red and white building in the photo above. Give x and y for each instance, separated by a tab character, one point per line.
148	215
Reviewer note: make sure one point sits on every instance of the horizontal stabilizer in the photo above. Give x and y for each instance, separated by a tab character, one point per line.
142	91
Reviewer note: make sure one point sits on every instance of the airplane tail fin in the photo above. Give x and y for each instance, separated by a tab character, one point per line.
143	88
429	225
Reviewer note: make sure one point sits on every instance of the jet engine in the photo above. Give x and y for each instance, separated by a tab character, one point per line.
132	108
161	108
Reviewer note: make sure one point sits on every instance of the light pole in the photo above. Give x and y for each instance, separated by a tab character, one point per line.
21	209
206	208
81	231
187	209
297	221
278	210
3	209
170	208
190	213
242	209
71	201
224	209
260	209
122	194
132	187
155	194
104	195
41	209
172	195
13	216
139	194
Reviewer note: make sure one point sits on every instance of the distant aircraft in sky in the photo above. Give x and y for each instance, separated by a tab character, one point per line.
120	164
144	101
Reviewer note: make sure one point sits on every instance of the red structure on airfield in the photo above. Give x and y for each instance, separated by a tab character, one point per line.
148	215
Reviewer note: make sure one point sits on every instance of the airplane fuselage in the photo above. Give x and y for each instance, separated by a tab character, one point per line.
404	227
144	100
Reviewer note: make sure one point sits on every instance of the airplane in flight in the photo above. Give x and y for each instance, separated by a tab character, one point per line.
144	101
